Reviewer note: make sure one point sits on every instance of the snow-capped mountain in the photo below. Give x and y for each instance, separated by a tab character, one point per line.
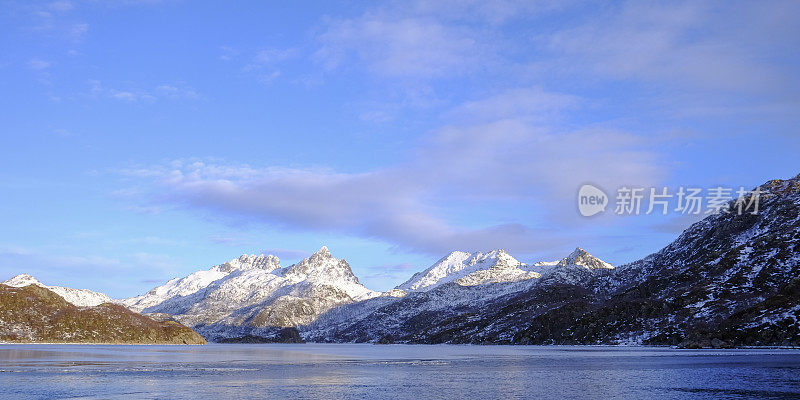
470	269
458	284
182	287
254	292
78	297
580	258
578	268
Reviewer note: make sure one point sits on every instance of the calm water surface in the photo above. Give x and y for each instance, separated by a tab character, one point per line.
363	371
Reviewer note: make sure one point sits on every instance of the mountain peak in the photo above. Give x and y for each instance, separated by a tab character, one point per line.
782	187
577	253
582	258
469	269
323	252
503	258
322	267
23	280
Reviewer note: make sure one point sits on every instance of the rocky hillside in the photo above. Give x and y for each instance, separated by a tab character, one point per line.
33	314
78	297
728	280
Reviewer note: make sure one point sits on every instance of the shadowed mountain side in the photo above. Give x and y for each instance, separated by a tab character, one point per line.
32	314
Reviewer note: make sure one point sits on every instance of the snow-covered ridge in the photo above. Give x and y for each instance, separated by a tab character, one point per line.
497	266
201	279
469	269
78	297
255	291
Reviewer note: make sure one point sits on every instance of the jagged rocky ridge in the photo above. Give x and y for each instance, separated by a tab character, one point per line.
254	295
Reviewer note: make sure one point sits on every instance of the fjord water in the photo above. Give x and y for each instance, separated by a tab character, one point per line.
364	371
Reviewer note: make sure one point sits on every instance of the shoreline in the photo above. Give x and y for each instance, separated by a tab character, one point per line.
98	344
412	344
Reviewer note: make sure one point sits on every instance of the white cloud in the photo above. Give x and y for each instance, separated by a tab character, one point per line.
532	104
165	91
78	31
38	64
40	259
61	6
391	272
415	47
272	56
725	46
506	159
176	92
493	12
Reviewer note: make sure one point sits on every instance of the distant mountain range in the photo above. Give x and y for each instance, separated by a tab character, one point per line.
728	280
255	292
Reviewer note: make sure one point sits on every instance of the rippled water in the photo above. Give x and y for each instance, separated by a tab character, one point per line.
363	371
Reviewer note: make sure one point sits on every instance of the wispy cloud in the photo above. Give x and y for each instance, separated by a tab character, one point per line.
698	45
289	254
133	94
176	92
531	104
506	159
688	58
38	260
66	267
38	64
391	272
405	47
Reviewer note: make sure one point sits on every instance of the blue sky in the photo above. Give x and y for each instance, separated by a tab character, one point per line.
143	140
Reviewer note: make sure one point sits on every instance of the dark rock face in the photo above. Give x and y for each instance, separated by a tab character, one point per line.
728	280
33	314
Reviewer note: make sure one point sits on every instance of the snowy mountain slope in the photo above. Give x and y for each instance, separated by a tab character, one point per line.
468	270
728	277
728	280
78	297
448	297
255	292
181	287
